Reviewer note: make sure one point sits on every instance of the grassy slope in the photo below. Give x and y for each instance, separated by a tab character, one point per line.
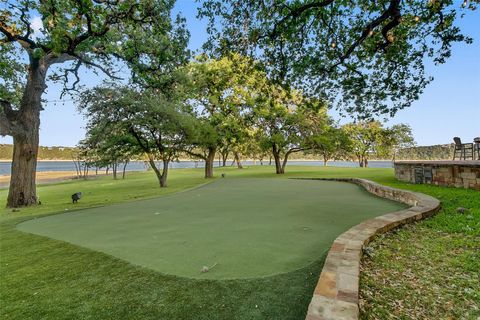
48	279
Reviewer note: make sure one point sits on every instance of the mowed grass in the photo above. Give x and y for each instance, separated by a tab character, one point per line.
102	191
43	278
428	270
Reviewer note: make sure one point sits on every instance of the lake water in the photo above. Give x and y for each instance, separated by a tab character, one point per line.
5	167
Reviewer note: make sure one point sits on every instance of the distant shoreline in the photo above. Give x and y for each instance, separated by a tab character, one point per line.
49	160
184	160
252	160
44	177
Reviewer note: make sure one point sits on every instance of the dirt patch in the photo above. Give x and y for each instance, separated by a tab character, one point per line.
44	177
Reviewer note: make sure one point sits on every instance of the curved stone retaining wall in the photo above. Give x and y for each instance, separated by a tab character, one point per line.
336	293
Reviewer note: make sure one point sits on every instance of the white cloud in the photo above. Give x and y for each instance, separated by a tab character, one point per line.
37	26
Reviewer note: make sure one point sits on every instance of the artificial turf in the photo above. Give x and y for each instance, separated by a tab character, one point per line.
244	228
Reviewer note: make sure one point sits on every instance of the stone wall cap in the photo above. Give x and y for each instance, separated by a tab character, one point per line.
465	163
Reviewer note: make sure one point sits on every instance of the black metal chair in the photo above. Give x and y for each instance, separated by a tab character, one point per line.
464	149
476	147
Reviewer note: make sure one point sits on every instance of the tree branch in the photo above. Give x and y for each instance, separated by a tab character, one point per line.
26	43
393	11
293	150
95	65
5	128
73	70
194	154
53	59
8	118
143	143
298	11
23	18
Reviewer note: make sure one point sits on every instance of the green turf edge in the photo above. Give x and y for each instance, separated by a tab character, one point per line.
321	257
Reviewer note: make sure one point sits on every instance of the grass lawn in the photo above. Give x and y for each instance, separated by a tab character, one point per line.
50	279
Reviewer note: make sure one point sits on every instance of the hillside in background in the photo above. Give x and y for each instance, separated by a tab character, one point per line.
44	153
436	152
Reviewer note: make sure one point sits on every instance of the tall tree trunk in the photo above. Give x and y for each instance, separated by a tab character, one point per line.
209	162
224	159
76	168
114	170
278	163
325	162
124	167
363	161
237	160
163	177
24	127
285	160
85	170
151	161
22	191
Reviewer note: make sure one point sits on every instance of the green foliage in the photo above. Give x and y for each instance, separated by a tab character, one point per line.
107	150
366	57
96	34
397	137
138	122
332	143
288	122
371	138
10	70
224	95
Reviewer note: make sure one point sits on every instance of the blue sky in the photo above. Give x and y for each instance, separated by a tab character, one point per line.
450	105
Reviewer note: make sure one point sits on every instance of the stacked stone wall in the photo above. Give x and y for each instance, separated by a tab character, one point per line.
443	174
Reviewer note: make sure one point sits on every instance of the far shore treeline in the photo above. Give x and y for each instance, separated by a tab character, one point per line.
435	152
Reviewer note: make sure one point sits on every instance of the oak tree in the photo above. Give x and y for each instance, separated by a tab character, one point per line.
223	97
287	120
147	121
51	40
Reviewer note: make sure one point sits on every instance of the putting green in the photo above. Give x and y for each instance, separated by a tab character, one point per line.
247	227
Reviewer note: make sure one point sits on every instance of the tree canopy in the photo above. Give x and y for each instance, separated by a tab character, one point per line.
287	122
366	57
97	34
372	138
140	123
225	91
